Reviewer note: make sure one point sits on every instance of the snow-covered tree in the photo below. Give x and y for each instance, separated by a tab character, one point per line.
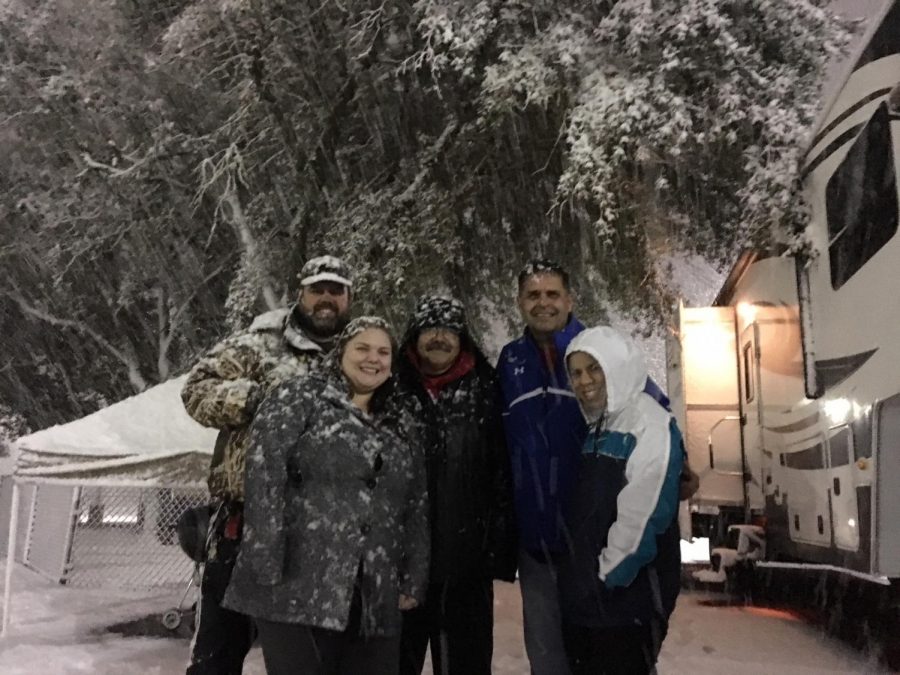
12	425
166	182
693	115
682	123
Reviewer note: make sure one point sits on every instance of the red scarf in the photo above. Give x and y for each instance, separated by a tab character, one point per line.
435	383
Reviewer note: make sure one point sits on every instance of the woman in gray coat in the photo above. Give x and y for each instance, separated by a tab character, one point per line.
335	540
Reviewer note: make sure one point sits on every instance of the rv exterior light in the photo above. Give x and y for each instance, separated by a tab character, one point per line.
715	341
851	522
838	410
747	312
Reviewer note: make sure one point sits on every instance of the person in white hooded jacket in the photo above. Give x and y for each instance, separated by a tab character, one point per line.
620	582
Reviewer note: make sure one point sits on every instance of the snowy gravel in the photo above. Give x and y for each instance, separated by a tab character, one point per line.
59	630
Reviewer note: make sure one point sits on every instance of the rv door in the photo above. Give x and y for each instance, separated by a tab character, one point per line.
753	394
710	408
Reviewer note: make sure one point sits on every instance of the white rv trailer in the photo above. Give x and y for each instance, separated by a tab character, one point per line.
788	387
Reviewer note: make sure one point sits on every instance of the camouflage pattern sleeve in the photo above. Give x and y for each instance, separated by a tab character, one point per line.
276	428
222	390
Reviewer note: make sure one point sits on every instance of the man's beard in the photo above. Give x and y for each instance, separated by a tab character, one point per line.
321	329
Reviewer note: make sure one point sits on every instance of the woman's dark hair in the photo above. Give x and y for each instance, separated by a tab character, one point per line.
382	395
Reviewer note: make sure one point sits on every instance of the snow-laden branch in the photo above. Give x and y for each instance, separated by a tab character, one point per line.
242	226
128	360
225	176
432	156
170	317
137	163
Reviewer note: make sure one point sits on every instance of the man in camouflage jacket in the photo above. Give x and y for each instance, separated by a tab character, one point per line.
223	391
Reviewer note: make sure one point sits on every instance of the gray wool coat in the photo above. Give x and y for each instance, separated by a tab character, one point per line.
330	493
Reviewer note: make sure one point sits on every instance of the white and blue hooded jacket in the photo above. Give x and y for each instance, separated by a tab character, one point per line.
625	564
545	431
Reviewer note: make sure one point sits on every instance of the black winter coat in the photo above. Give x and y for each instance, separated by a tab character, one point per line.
331	494
469	477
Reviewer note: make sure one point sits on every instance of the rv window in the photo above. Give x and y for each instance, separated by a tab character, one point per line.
805	460
839	447
748	374
861	200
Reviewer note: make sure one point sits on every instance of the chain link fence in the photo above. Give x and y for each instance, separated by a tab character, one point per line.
106	536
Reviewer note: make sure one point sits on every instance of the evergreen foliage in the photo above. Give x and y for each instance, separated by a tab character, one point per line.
170	165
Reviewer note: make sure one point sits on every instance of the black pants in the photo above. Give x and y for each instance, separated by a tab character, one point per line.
626	650
294	649
222	637
458	619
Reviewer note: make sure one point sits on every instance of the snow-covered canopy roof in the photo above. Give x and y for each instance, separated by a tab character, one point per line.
147	438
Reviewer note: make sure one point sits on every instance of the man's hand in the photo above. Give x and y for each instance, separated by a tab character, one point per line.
407	602
690	483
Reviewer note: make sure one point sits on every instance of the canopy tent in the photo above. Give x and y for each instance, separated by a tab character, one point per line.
145	440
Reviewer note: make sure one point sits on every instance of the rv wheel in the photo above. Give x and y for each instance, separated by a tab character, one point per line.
741	581
171	619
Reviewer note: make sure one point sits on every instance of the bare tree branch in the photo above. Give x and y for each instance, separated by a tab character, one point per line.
116	172
129	361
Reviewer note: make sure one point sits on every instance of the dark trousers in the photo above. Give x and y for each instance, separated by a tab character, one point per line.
458	620
222	637
625	650
295	649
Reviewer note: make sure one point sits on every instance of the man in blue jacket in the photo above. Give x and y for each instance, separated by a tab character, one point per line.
545	430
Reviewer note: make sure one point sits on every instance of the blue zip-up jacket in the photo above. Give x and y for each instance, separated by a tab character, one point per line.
625	563
544	431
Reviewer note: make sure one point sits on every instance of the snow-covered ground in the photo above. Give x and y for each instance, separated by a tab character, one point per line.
61	631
